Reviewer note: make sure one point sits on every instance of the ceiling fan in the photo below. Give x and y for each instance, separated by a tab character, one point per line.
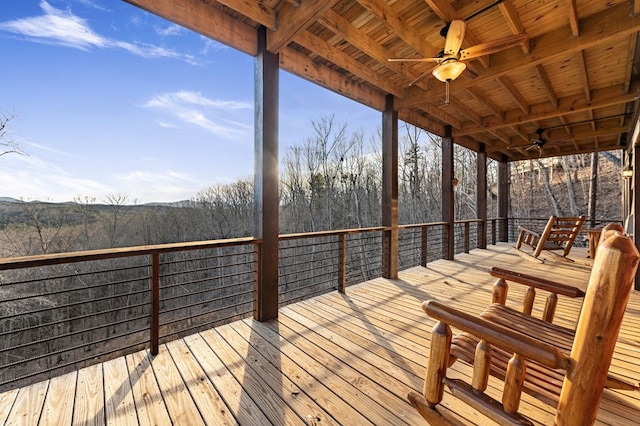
449	60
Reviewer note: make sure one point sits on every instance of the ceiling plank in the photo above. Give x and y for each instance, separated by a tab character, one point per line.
354	36
293	20
466	111
601	98
388	15
255	10
512	18
548	87
603	28
299	64
206	20
574	22
439	114
348	63
632	53
495	109
511	89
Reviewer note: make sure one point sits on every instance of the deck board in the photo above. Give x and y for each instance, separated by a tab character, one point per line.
335	359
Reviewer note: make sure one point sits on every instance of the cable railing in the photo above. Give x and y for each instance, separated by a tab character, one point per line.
63	311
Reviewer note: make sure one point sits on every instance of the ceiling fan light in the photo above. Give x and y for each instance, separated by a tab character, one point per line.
449	71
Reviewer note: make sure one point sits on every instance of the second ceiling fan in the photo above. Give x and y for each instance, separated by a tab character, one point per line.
449	60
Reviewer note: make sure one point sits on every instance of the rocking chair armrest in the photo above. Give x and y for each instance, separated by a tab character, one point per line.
523	230
540	283
497	335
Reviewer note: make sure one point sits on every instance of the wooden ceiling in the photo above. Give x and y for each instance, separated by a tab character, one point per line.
576	76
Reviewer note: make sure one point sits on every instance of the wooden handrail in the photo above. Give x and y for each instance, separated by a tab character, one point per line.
541	283
494	334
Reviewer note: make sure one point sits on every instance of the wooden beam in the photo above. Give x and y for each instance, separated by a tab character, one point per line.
204	19
632	53
635	203
548	87
388	15
511	16
503	199
299	64
636	7
514	93
574	21
466	111
582	62
390	189
600	29
439	114
348	63
570	105
481	195
495	109
293	20
448	201
419	119
266	179
254	10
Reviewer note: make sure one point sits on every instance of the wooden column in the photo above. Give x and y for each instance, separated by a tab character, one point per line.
390	189
448	207
481	196
503	199
635	205
266	200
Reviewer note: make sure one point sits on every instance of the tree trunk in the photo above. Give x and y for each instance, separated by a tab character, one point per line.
570	192
547	186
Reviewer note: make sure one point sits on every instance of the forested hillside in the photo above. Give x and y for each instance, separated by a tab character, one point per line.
330	181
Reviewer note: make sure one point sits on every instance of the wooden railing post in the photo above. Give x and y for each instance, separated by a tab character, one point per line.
342	263
467	230
154	322
424	247
494	223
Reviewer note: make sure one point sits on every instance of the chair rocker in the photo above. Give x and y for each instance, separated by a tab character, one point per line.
559	234
562	367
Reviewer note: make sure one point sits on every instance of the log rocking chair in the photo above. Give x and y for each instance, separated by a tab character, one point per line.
559	234
563	367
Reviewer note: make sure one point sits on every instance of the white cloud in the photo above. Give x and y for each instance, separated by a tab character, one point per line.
195	109
63	28
156	186
171	30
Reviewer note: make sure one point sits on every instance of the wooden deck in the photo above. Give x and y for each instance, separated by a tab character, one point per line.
336	359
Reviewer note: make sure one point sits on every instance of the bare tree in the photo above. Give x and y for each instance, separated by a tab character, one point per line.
7	144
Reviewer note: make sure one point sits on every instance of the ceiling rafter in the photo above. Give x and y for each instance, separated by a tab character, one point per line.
293	20
548	87
512	18
513	92
574	22
605	28
447	13
353	35
495	109
440	114
602	98
331	53
468	112
582	61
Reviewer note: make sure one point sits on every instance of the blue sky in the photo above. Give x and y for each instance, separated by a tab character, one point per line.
109	99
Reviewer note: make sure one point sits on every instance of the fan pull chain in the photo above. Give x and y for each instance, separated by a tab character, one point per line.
446	99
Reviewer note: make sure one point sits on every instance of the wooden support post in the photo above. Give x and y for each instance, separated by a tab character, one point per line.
494	224
467	237
635	205
390	189
597	330
342	263
513	383
448	205
503	199
481	196
500	289
154	322
550	307
438	362
266	179
529	298
424	245
481	366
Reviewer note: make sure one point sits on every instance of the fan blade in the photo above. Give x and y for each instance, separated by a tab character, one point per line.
494	46
423	75
455	34
414	59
